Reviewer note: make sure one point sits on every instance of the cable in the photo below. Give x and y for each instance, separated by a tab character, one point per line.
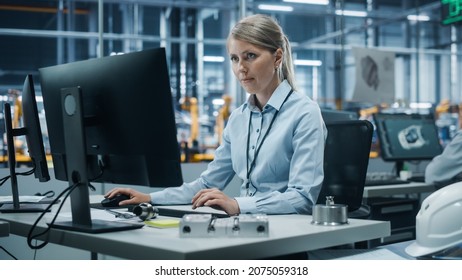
101	166
26	173
30	237
47	194
66	194
4	179
6	251
35	251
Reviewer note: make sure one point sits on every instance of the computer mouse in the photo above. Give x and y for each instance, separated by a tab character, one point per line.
114	201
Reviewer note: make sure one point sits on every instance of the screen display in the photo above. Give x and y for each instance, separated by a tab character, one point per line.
451	11
407	136
330	115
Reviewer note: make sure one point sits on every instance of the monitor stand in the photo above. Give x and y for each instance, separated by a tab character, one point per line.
74	137
399	165
16	207
23	208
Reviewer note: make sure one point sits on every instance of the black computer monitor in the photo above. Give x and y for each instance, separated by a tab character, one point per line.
34	139
407	137
331	115
127	124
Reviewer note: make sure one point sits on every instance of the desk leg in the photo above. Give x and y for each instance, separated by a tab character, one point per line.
94	256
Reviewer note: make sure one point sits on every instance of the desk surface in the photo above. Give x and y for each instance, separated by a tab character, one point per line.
413	187
287	234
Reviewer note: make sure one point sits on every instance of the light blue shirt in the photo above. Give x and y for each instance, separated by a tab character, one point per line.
288	171
445	167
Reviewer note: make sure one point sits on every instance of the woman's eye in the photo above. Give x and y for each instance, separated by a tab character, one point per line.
233	58
251	55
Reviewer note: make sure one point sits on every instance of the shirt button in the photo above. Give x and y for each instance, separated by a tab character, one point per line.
258	130
253	147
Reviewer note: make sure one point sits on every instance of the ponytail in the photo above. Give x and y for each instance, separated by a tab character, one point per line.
287	72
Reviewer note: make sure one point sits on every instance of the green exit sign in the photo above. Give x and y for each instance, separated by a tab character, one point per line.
451	11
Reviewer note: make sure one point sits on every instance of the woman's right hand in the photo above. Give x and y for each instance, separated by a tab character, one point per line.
136	197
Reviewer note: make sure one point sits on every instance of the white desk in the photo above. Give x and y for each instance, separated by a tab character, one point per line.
287	234
395	251
410	188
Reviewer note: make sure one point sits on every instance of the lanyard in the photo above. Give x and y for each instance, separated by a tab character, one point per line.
252	164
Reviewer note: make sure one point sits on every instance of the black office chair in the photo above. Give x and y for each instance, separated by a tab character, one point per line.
346	157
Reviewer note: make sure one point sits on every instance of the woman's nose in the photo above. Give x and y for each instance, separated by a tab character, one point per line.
242	67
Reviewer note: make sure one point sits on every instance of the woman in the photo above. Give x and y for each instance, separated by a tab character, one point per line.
274	142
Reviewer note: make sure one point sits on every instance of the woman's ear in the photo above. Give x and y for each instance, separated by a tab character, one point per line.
278	54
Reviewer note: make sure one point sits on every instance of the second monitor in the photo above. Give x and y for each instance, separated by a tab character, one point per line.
407	137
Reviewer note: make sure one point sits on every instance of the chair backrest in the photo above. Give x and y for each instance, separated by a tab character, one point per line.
346	157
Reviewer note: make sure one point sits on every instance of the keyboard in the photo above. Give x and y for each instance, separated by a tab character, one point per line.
417	178
383	179
179	213
166	211
385	182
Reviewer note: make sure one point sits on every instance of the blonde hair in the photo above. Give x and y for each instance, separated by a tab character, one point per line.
263	31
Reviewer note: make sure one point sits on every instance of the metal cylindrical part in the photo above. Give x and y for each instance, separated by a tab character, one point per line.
145	211
330	214
334	214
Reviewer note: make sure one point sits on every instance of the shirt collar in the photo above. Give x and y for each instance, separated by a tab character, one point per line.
276	99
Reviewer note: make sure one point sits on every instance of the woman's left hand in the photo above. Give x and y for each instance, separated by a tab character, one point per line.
216	199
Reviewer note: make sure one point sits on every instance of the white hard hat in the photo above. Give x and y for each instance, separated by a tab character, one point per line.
439	222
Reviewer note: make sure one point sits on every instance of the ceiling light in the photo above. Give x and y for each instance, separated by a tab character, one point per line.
418	18
313	2
349	13
279	8
209	58
306	62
